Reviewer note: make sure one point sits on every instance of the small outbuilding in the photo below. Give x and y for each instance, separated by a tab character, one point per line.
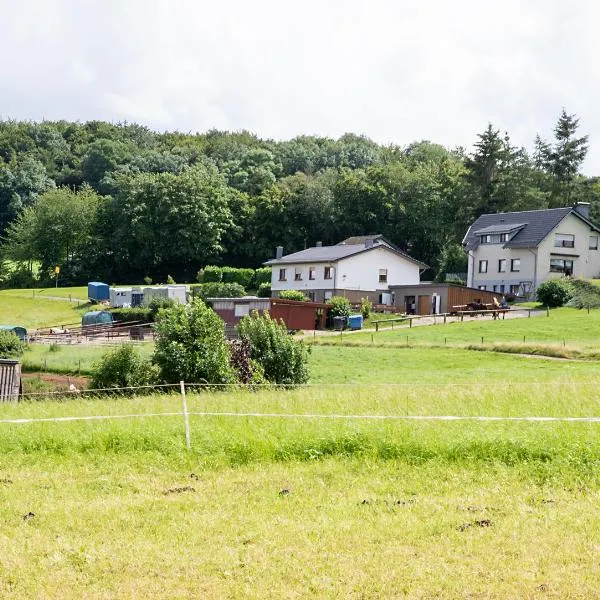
19	331
430	298
98	291
10	380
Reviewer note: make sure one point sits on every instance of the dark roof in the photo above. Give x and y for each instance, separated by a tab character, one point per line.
362	240
319	254
532	225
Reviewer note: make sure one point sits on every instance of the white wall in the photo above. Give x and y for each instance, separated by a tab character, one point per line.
357	272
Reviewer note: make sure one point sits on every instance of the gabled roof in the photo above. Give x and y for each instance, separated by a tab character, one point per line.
321	254
531	226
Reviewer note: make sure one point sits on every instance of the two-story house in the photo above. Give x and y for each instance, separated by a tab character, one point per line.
512	253
359	267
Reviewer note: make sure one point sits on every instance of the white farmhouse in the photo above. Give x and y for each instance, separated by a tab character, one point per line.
512	253
359	267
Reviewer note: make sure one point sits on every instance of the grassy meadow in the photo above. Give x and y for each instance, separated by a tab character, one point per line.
298	493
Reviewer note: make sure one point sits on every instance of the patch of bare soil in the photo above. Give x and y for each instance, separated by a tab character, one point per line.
57	381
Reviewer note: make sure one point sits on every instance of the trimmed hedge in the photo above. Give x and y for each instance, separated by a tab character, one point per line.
218	290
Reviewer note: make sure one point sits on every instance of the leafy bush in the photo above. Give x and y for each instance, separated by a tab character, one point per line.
340	306
262	275
10	344
264	290
366	306
123	367
212	274
137	313
247	370
148	280
554	292
585	294
283	359
292	295
156	304
191	345
242	276
170	280
218	290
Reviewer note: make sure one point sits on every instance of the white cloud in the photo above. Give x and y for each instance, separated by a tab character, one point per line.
396	71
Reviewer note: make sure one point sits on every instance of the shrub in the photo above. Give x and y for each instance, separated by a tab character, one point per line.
212	274
156	304
10	344
123	367
191	345
264	290
218	290
554	292
585	294
242	276
262	275
292	295
170	280
125	315
148	280
366	306
247	370
283	359
340	306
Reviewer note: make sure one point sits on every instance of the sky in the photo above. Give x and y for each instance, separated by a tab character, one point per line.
396	71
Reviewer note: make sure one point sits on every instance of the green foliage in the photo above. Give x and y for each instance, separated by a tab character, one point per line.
191	346
366	306
218	290
340	306
10	344
264	290
123	367
211	274
554	292
585	294
157	304
147	280
170	280
292	295
262	275
453	259
135	313
242	276
283	359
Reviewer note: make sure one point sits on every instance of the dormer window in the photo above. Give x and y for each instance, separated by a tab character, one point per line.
494	238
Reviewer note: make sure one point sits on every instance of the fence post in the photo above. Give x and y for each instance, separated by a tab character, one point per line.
186	417
547	311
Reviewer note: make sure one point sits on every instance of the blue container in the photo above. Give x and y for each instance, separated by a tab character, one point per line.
98	291
355	322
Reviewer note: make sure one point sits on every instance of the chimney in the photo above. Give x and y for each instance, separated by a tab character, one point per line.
279	252
319	245
583	208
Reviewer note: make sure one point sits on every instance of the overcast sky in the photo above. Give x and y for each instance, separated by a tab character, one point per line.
394	70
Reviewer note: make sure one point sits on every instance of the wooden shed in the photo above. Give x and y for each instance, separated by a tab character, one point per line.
431	298
10	380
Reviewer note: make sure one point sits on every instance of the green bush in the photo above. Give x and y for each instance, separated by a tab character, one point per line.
340	306
554	292
262	275
156	304
10	344
218	290
137	313
123	367
170	280
264	290
366	306
191	345
242	276
283	359
212	274
585	294
292	295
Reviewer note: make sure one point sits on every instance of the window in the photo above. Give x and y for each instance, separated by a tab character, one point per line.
562	240
311	273
495	288
282	276
241	310
514	289
593	242
482	287
561	265
382	275
515	265
328	273
496	238
312	296
502	265
504	237
298	274
483	266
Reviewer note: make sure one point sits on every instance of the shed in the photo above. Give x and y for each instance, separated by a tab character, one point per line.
10	380
19	331
97	317
429	298
98	291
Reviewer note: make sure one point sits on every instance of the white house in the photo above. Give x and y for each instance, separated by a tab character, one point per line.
359	267
512	253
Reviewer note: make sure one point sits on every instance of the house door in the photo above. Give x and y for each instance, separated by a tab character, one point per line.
424	305
411	306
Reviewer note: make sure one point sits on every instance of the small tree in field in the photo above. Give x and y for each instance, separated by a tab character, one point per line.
554	292
122	368
283	359
191	346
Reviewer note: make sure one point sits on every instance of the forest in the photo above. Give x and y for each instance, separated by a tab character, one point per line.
122	203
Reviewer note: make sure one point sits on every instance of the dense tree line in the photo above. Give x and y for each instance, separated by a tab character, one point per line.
120	202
